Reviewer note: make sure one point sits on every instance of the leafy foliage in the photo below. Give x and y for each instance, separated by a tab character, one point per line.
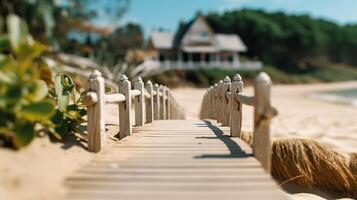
70	112
52	21
293	43
25	104
23	95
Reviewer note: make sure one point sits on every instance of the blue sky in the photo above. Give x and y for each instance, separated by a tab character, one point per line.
154	14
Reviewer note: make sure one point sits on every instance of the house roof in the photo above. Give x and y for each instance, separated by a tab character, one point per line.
183	28
162	40
222	42
229	42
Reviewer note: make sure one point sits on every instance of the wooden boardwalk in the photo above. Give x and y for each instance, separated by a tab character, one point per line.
174	159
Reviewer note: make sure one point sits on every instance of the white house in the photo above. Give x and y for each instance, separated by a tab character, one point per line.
195	44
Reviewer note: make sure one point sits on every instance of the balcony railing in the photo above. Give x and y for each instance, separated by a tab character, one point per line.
246	65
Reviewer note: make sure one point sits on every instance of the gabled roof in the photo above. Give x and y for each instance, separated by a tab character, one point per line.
162	40
222	42
183	28
229	42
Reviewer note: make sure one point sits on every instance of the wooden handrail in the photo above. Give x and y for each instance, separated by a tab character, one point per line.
244	99
223	102
114	98
146	94
135	93
90	99
152	102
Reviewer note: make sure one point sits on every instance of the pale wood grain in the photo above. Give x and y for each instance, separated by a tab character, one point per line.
124	108
162	102
185	160
226	102
261	135
236	107
139	102
95	113
149	103
114	98
157	102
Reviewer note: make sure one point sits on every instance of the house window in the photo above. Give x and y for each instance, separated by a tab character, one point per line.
200	37
231	58
161	57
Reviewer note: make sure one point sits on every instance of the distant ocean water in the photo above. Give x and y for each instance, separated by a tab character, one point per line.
344	96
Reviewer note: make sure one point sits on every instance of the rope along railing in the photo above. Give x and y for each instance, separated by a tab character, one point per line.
151	102
223	102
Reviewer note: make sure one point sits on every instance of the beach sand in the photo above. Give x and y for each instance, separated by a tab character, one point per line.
300	116
38	171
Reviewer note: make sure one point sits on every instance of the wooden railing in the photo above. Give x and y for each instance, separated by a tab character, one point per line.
151	102
223	102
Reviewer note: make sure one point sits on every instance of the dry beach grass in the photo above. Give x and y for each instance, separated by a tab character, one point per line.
307	163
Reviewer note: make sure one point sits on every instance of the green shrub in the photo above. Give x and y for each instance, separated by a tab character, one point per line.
26	106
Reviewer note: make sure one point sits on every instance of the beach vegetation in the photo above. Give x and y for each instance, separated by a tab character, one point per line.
33	99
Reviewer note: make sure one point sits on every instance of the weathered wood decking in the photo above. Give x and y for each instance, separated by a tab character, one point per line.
174	159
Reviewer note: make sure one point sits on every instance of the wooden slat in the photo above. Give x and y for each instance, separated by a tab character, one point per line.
174	159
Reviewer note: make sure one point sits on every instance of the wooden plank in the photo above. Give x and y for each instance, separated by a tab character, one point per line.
188	160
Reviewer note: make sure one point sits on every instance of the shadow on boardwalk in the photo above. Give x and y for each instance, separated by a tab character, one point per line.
235	150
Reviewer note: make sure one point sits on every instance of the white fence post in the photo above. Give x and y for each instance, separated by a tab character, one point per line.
149	103
139	102
236	107
95	112
168	99
124	108
216	102
157	102
162	101
226	102
262	114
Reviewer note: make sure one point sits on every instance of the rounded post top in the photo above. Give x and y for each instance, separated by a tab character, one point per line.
95	74
123	78
263	78
148	82
215	85
237	77
156	85
138	79
226	79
